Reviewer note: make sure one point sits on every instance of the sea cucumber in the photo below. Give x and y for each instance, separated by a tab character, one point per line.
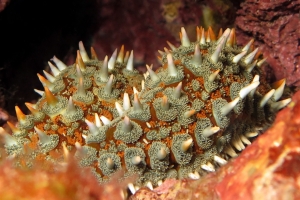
185	119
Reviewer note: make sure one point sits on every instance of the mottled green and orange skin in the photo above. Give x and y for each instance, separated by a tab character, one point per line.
196	97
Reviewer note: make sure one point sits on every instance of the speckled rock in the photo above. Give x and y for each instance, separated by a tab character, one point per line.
275	26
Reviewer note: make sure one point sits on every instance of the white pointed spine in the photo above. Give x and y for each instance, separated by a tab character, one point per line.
226	34
40	92
144	140
119	109
159	183
208	167
137	106
152	74
189	113
135	91
245	139
66	152
251	67
108	86
78	146
49	76
208	39
171	46
43	137
78	70
186	145
230	151
248	45
172	71
92	127
83	52
126	56
279	91
80	89
71	107
61	66
104	120
146	75
197	58
238	144
213	76
261	62
220	160
185	41
230	39
165	105
110	163
143	85
177	90
112	60
215	56
136	160
251	134
54	70
166	50
238	57
194	176
210	131
126	102
161	154
9	140
202	40
255	79
127	126
266	98
131	188
129	65
104	69
149	185
246	90
229	106
280	104
97	120
250	56
120	57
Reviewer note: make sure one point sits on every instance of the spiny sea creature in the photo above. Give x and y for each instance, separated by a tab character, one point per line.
182	120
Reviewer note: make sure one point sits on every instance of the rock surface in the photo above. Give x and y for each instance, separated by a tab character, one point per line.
275	26
145	26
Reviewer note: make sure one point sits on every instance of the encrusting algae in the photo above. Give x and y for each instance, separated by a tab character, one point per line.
201	107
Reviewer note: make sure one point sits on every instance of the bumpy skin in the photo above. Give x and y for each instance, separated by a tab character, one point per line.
178	125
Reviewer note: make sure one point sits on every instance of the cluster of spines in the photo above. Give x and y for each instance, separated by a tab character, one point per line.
189	102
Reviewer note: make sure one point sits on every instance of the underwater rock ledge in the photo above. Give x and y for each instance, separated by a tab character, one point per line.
275	25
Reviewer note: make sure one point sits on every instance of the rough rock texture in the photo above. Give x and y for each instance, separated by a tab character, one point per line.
275	26
267	169
3	4
145	26
68	182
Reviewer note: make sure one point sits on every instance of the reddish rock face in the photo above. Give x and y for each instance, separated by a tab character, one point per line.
267	169
275	26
